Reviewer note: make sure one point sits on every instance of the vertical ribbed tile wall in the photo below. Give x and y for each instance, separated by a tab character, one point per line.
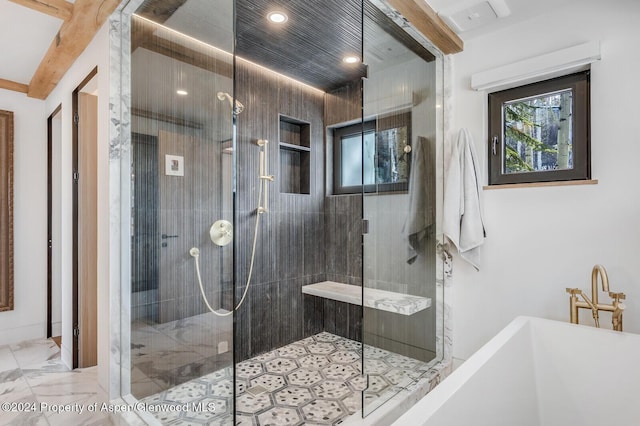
290	249
343	250
343	224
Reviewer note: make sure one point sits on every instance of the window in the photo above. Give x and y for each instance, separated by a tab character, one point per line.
376	152
540	132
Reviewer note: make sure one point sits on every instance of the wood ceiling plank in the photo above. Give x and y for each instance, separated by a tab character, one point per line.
74	36
427	21
12	85
60	9
310	46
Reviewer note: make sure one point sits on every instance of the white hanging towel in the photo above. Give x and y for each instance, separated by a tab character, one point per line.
463	224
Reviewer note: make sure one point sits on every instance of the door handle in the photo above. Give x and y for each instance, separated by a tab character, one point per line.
165	236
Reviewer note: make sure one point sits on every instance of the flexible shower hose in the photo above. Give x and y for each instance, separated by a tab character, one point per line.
195	253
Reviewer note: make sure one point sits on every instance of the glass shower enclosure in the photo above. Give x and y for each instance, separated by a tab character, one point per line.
285	191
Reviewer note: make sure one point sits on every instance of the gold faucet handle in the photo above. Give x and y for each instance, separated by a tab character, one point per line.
574	291
617	296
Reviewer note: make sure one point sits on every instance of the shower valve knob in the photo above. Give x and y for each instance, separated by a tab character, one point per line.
221	232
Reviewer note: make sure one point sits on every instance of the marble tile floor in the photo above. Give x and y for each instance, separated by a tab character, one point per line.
33	377
317	380
169	354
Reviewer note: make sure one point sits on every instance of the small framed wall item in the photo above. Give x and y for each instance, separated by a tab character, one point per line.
173	165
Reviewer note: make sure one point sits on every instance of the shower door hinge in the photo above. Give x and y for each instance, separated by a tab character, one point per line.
365	226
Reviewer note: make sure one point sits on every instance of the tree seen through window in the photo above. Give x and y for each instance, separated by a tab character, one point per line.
538	133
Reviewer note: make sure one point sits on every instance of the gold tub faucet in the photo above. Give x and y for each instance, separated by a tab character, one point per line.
616	307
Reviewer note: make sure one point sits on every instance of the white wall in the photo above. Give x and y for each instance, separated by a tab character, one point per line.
28	319
96	54
541	240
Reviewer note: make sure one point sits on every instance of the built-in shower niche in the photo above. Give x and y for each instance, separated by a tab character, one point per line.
295	156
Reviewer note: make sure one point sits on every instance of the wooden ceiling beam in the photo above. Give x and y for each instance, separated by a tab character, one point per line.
159	10
12	85
155	14
189	56
60	9
142	35
427	21
74	36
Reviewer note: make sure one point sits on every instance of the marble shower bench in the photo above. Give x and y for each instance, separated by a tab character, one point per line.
383	300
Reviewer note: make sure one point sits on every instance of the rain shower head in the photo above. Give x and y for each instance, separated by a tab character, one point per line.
238	108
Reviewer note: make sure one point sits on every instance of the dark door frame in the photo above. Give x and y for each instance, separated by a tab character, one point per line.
75	179
50	219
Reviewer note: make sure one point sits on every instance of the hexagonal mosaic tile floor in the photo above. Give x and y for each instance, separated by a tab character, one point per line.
317	380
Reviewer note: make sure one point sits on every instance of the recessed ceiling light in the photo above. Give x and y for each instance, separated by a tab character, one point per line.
350	59
277	17
182	92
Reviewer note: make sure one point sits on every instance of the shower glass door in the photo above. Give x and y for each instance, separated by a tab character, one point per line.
258	148
400	201
182	196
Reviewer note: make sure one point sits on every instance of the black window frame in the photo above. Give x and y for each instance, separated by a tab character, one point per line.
390	121
580	84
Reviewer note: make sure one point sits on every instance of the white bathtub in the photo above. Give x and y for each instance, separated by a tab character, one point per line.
539	372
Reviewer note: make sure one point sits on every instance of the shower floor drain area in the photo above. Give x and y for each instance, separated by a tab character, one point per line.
317	380
257	390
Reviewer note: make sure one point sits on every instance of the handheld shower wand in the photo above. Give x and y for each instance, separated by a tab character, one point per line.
263	191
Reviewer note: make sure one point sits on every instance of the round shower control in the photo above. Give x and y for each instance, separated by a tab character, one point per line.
221	232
